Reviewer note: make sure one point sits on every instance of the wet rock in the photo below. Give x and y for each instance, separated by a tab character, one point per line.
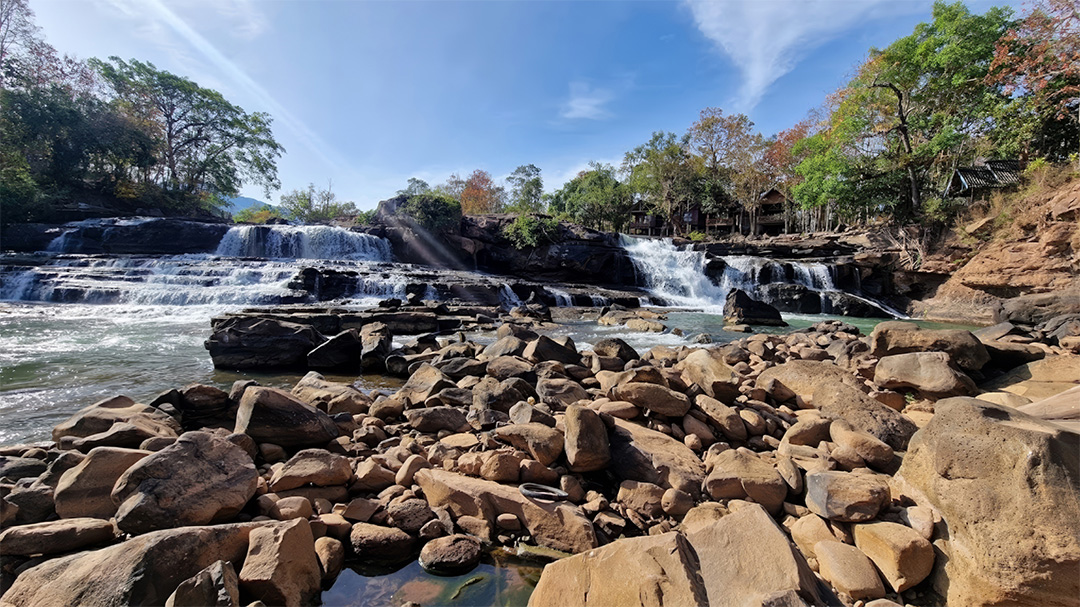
1010	527
843	496
553	524
312	466
86	489
200	479
848	570
269	415
144	570
378	543
927	372
586	440
281	567
740	308
647	571
903	556
245	342
55	537
453	554
645	455
653	397
215	586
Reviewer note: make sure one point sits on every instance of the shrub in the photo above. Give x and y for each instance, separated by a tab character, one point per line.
435	212
697	236
531	231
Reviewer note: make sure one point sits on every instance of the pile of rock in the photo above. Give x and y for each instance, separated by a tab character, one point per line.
776	470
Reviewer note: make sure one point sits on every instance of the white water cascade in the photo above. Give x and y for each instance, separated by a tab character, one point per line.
302	242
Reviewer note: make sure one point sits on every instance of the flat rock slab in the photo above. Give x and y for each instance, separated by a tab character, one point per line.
55	537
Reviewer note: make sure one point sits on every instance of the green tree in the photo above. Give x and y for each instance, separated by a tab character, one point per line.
526	190
259	215
594	198
661	173
315	205
433	211
415	186
205	143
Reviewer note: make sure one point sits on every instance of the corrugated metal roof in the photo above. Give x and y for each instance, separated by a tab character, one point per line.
995	174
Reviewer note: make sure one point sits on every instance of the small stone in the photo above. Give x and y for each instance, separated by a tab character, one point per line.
288	508
331	555
508	521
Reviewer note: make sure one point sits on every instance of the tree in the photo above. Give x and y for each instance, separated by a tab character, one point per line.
315	205
205	142
433	211
481	195
258	215
661	174
415	186
453	187
594	198
526	190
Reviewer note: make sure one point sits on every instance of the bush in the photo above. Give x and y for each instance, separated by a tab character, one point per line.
697	236
435	212
531	231
257	214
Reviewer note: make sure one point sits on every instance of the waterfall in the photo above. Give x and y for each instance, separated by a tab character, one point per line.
562	298
302	242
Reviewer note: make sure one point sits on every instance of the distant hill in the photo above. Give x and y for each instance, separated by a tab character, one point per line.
243	202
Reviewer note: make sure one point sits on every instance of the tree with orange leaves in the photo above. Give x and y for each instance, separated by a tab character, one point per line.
481	195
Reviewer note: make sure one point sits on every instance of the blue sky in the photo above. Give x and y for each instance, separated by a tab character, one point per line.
368	94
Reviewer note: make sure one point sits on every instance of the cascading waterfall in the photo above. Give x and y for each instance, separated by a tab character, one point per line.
302	242
679	276
562	298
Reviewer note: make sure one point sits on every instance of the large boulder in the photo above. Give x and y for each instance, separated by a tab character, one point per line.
648	456
741	309
865	414
706	369
845	496
648	571
804	377
215	586
896	337
745	557
86	489
557	525
54	537
144	570
586	440
544	348
434	419
927	372
424	383
312	466
281	567
331	397
1040	379
653	397
102	415
1007	486
247	342
200	479
543	443
737	475
270	415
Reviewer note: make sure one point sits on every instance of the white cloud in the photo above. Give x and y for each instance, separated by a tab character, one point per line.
586	102
765	39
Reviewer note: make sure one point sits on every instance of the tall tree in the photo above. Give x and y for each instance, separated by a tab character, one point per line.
481	195
660	173
206	143
315	205
594	198
526	190
415	187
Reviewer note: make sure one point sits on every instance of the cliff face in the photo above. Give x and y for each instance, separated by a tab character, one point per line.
1026	271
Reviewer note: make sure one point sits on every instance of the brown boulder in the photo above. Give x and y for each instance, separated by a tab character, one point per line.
927	372
215	586
55	537
653	397
843	496
586	440
865	414
738	475
543	443
331	397
640	454
100	417
86	489
269	415
312	466
805	377
706	369
896	337
281	567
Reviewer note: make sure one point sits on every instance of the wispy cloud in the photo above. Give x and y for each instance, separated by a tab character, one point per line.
765	39
586	102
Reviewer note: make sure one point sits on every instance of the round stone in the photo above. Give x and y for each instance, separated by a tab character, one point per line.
456	554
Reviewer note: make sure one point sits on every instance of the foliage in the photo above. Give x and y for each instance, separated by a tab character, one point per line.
414	187
594	198
365	217
530	230
697	236
433	211
480	194
258	215
526	190
315	205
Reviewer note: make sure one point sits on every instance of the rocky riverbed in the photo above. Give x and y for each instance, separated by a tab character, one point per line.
908	466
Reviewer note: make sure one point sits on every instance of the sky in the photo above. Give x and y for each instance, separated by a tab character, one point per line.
365	94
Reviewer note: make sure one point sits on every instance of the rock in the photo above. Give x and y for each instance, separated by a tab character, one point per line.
865	414
424	383
524	413
246	342
200	479
740	308
101	416
645	326
372	477
1007	487
269	415
331	555
433	419
653	397
342	351
848	570
281	567
560	393
544	348
895	337
288	508
809	431
903	556
505	367
873	451
543	443
1062	408
409	515
215	586
648	571
613	346
312	466
500	466
808	531
453	554
404	476
377	543
86	489
847	497
330	397
505	346
55	537
1040	379
491	394
556	525
375	339
586	440
676	503
726	418
643	498
706	369
736	475
144	570
744	557
648	456
805	377
927	372
15	468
